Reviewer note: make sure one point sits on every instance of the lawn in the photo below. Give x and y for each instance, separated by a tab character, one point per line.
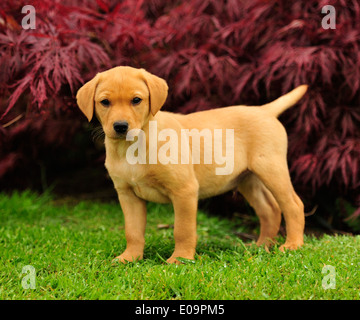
70	247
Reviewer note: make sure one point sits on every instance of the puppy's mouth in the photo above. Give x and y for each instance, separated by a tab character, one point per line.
117	136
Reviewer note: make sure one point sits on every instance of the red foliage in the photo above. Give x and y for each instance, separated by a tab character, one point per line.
212	53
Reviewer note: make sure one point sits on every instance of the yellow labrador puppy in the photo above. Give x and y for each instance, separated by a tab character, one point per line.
158	156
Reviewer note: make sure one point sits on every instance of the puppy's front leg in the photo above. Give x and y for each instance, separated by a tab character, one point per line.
134	210
185	207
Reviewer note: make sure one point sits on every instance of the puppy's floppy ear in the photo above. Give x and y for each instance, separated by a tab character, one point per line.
158	91
85	97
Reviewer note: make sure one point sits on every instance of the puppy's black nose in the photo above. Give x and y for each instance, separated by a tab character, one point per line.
121	127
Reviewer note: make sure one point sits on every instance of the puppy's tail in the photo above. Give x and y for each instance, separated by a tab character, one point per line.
286	101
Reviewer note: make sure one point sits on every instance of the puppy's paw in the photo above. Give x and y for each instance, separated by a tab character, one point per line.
179	259
173	260
291	246
267	242
126	257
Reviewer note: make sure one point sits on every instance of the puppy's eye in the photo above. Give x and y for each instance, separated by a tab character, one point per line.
105	102
136	101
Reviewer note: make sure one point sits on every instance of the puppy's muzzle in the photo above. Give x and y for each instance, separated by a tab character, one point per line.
121	127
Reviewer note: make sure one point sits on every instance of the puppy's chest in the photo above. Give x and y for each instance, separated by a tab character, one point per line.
137	177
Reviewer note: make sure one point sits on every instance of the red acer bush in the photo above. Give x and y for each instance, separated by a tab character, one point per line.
213	53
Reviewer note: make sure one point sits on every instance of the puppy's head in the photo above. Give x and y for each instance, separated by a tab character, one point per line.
123	99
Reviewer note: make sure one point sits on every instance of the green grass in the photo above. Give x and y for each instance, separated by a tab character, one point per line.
71	248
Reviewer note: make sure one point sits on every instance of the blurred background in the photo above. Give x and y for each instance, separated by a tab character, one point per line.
212	53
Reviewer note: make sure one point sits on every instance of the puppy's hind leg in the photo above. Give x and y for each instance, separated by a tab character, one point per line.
265	206
274	173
